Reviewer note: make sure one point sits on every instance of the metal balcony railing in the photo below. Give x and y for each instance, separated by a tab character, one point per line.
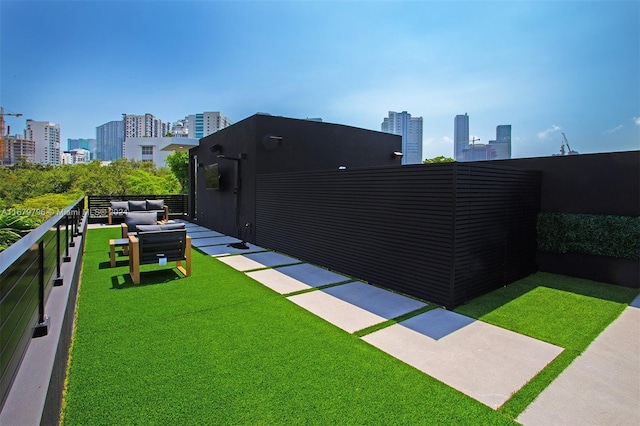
29	269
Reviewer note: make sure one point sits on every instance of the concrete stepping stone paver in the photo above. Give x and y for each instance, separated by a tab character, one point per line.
252	261
312	276
601	386
213	241
225	249
277	281
374	299
197	234
485	362
342	314
272	258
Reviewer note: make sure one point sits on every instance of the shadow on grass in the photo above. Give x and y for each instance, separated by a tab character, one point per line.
124	281
492	301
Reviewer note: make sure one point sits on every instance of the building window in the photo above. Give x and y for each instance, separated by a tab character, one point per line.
147	150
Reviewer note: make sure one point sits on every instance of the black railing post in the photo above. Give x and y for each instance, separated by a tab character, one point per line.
67	258
76	220
58	280
72	243
80	216
42	328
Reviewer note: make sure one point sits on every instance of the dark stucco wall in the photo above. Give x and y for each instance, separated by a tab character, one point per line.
605	183
297	145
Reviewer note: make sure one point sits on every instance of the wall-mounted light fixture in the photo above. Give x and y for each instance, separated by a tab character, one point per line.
396	154
272	142
216	148
242	156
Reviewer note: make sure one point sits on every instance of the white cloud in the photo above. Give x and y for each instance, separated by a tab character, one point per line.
636	120
546	133
615	129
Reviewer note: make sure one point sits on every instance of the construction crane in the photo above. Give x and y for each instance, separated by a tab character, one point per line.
2	140
568	151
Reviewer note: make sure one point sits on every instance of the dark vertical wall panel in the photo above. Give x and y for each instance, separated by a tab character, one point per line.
495	235
605	183
438	232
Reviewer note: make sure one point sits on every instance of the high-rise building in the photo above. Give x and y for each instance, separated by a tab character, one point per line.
142	126
47	138
109	140
18	148
201	125
503	133
460	136
88	144
502	144
410	128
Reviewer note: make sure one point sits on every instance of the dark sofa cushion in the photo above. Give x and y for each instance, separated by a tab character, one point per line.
119	208
137	206
163	227
133	219
155	204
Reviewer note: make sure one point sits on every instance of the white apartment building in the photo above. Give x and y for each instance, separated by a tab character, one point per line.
140	126
47	138
410	128
201	125
151	149
76	156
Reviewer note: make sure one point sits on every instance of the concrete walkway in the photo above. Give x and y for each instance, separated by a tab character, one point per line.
487	363
602	386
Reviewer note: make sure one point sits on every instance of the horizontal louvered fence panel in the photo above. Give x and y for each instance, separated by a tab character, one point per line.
443	233
389	226
98	204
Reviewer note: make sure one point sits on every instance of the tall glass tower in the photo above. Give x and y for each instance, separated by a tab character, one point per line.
109	140
460	136
410	128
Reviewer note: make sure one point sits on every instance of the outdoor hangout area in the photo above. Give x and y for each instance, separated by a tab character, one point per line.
355	291
257	336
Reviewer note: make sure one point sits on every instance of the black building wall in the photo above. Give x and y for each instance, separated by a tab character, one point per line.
269	144
605	183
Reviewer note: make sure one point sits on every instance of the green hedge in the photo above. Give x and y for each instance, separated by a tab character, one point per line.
616	236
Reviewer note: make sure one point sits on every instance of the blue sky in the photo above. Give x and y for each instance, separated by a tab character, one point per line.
545	67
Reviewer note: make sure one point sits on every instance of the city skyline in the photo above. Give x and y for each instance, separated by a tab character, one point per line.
543	67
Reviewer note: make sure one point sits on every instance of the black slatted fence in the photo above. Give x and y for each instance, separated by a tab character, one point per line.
441	232
98	204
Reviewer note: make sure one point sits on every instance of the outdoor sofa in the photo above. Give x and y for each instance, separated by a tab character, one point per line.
120	209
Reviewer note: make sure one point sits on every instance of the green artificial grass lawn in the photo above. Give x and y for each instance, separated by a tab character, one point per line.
565	311
220	348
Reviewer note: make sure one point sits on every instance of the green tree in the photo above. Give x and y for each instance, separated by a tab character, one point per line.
178	163
440	159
